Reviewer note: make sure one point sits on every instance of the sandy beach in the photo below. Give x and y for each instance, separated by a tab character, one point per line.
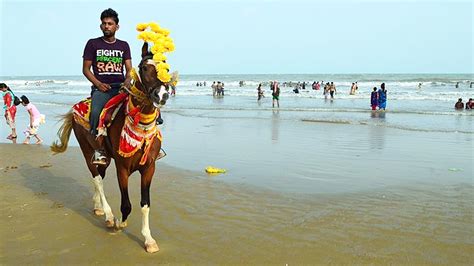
46	218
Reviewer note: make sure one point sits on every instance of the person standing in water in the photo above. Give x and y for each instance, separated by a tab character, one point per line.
332	90
374	99
276	94
382	97
459	104
259	92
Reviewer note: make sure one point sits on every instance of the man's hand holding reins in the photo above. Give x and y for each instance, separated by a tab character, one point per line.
102	86
127	83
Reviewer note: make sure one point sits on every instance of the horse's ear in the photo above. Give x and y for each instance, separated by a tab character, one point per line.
144	49
174	78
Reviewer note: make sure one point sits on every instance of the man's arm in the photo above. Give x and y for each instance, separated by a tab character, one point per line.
86	70
128	78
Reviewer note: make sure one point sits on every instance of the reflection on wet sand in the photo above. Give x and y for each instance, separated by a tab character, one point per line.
377	134
275	124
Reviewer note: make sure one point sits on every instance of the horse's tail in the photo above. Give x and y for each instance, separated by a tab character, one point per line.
64	133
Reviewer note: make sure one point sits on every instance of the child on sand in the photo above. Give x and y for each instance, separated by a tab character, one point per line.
35	120
10	109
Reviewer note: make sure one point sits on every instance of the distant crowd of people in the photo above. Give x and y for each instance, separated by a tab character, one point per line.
378	97
10	102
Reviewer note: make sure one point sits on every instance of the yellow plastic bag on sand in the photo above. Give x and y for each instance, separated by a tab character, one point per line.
214	170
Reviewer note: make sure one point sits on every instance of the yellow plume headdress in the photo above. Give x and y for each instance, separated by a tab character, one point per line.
162	43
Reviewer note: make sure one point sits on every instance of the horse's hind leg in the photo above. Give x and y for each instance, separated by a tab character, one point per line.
98	208
101	206
99	193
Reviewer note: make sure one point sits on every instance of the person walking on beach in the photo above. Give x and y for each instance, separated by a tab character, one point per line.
459	105
259	92
36	118
9	108
276	94
374	99
382	97
107	56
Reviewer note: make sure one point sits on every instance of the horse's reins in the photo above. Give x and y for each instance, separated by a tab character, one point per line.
134	91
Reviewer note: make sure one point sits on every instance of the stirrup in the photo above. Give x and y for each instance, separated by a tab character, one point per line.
99	158
161	154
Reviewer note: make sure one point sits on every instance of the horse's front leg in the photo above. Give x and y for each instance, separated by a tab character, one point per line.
125	206
147	175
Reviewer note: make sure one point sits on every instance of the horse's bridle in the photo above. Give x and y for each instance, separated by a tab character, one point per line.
155	85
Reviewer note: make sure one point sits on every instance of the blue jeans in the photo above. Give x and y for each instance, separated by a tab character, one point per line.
99	99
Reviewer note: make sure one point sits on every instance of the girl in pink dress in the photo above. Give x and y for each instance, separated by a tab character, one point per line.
36	118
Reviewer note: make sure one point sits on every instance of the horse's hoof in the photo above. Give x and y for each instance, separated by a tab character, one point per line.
109	223
152	247
123	224
99	212
120	225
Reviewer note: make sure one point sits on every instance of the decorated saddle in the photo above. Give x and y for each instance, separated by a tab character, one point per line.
82	111
139	130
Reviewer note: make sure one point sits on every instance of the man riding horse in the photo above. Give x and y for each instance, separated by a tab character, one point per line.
127	125
107	55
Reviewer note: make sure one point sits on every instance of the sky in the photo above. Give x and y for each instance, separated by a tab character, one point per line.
47	38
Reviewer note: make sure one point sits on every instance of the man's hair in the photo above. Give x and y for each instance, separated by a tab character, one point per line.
24	99
3	85
110	13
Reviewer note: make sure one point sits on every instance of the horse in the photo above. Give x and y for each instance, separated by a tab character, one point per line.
142	107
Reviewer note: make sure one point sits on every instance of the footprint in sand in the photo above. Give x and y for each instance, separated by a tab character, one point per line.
45	165
9	168
57	205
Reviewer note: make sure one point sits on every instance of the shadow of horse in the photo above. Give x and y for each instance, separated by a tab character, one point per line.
63	190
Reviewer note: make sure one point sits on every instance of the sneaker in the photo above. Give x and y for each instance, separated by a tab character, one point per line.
99	158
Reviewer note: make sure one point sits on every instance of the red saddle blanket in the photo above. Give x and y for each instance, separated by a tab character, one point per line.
82	111
134	135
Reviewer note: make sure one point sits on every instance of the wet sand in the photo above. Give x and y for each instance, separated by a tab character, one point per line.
46	218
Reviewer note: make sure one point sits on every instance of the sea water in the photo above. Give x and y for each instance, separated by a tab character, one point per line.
429	107
309	144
